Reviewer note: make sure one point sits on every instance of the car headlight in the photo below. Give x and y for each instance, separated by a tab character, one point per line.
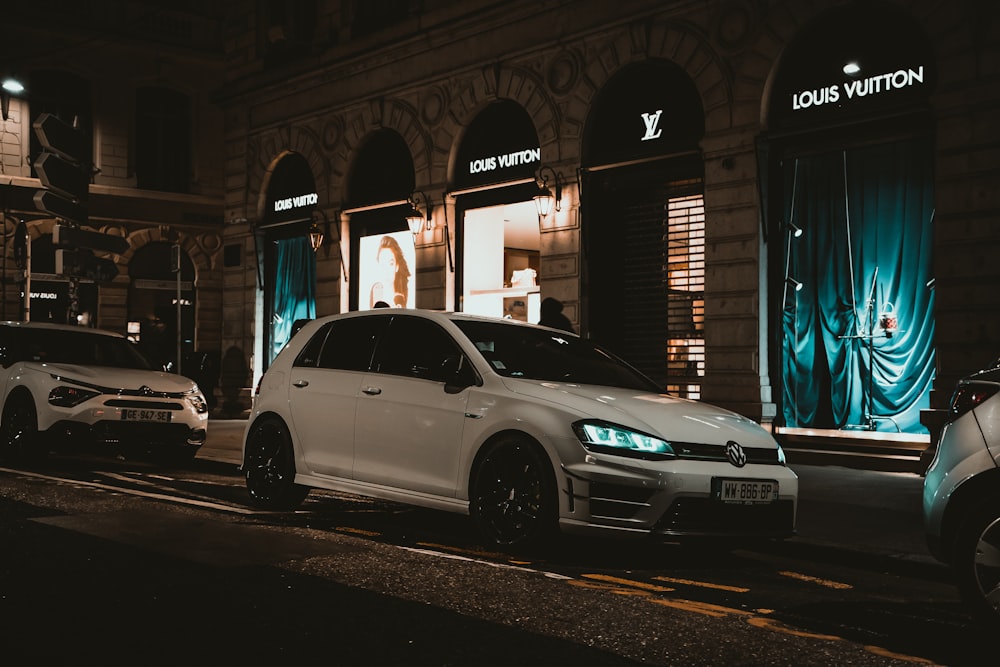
198	402
610	438
67	397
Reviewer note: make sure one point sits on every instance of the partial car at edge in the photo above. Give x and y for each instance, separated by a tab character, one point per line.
529	430
961	499
72	388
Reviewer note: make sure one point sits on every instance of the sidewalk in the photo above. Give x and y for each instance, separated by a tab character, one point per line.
868	511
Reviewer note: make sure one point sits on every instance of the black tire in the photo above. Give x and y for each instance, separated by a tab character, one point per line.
512	494
976	562
270	468
20	441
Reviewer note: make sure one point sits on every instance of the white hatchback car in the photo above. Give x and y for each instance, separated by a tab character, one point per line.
528	429
962	493
73	388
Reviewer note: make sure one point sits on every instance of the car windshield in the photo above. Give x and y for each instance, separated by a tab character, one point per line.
541	354
82	347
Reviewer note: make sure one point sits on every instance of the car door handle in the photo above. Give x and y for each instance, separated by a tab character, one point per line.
372	391
301	383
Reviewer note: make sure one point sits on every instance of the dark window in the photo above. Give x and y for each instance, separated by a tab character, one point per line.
66	96
232	255
162	140
374	15
351	342
309	355
415	347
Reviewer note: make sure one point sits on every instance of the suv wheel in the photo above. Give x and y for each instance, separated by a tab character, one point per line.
976	562
20	441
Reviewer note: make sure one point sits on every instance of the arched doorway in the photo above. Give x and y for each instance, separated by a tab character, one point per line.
850	206
644	223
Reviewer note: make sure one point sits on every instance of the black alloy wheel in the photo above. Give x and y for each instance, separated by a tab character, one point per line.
270	468
20	441
513	500
976	562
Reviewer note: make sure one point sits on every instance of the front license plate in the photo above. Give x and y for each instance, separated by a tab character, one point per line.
745	491
140	415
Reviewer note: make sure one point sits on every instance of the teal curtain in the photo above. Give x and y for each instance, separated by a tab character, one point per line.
294	295
865	251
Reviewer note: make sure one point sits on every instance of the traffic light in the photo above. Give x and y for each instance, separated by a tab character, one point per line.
63	168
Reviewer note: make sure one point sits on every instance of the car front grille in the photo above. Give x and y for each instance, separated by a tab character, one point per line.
114	432
705	516
701	452
144	405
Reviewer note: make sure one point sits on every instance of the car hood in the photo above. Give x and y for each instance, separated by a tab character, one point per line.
104	377
671	418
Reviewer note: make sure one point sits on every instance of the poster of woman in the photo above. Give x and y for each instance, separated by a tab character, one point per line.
386	276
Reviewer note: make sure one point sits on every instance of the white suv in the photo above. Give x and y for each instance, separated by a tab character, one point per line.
66	387
526	428
962	492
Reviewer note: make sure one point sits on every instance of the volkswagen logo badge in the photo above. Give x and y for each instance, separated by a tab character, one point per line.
735	454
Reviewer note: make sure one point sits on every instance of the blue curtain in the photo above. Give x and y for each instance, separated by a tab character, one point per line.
294	288
865	252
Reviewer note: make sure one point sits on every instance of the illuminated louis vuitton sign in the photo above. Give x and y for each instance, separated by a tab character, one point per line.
652	122
859	88
299	201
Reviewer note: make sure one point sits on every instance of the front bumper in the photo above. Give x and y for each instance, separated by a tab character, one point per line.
673	499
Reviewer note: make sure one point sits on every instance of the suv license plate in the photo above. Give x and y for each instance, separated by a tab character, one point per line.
139	415
745	491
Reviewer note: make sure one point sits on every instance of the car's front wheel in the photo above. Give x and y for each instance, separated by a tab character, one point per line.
20	440
513	499
270	468
976	562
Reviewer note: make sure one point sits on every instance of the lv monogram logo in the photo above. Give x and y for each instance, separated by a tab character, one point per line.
652	120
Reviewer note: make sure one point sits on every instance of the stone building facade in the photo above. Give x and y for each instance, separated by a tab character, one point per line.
682	143
343	89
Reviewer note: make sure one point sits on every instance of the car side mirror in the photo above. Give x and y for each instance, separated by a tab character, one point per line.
457	373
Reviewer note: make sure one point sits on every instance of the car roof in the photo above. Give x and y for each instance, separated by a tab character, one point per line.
448	315
54	326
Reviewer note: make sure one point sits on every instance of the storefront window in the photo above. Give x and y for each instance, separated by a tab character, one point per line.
501	251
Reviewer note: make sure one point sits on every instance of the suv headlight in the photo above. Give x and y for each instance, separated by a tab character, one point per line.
598	436
198	402
67	397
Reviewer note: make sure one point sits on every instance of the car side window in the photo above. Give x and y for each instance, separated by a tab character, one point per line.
309	355
415	347
351	342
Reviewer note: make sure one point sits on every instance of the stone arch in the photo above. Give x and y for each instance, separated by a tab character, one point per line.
679	43
266	150
783	25
517	84
392	114
200	258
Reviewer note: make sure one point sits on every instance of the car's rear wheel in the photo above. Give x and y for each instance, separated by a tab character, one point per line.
976	562
20	440
270	468
513	499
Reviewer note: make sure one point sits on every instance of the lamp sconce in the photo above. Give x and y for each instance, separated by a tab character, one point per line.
316	233
794	284
416	220
543	200
794	230
10	85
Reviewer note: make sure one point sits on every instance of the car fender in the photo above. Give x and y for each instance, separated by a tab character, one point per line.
491	415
